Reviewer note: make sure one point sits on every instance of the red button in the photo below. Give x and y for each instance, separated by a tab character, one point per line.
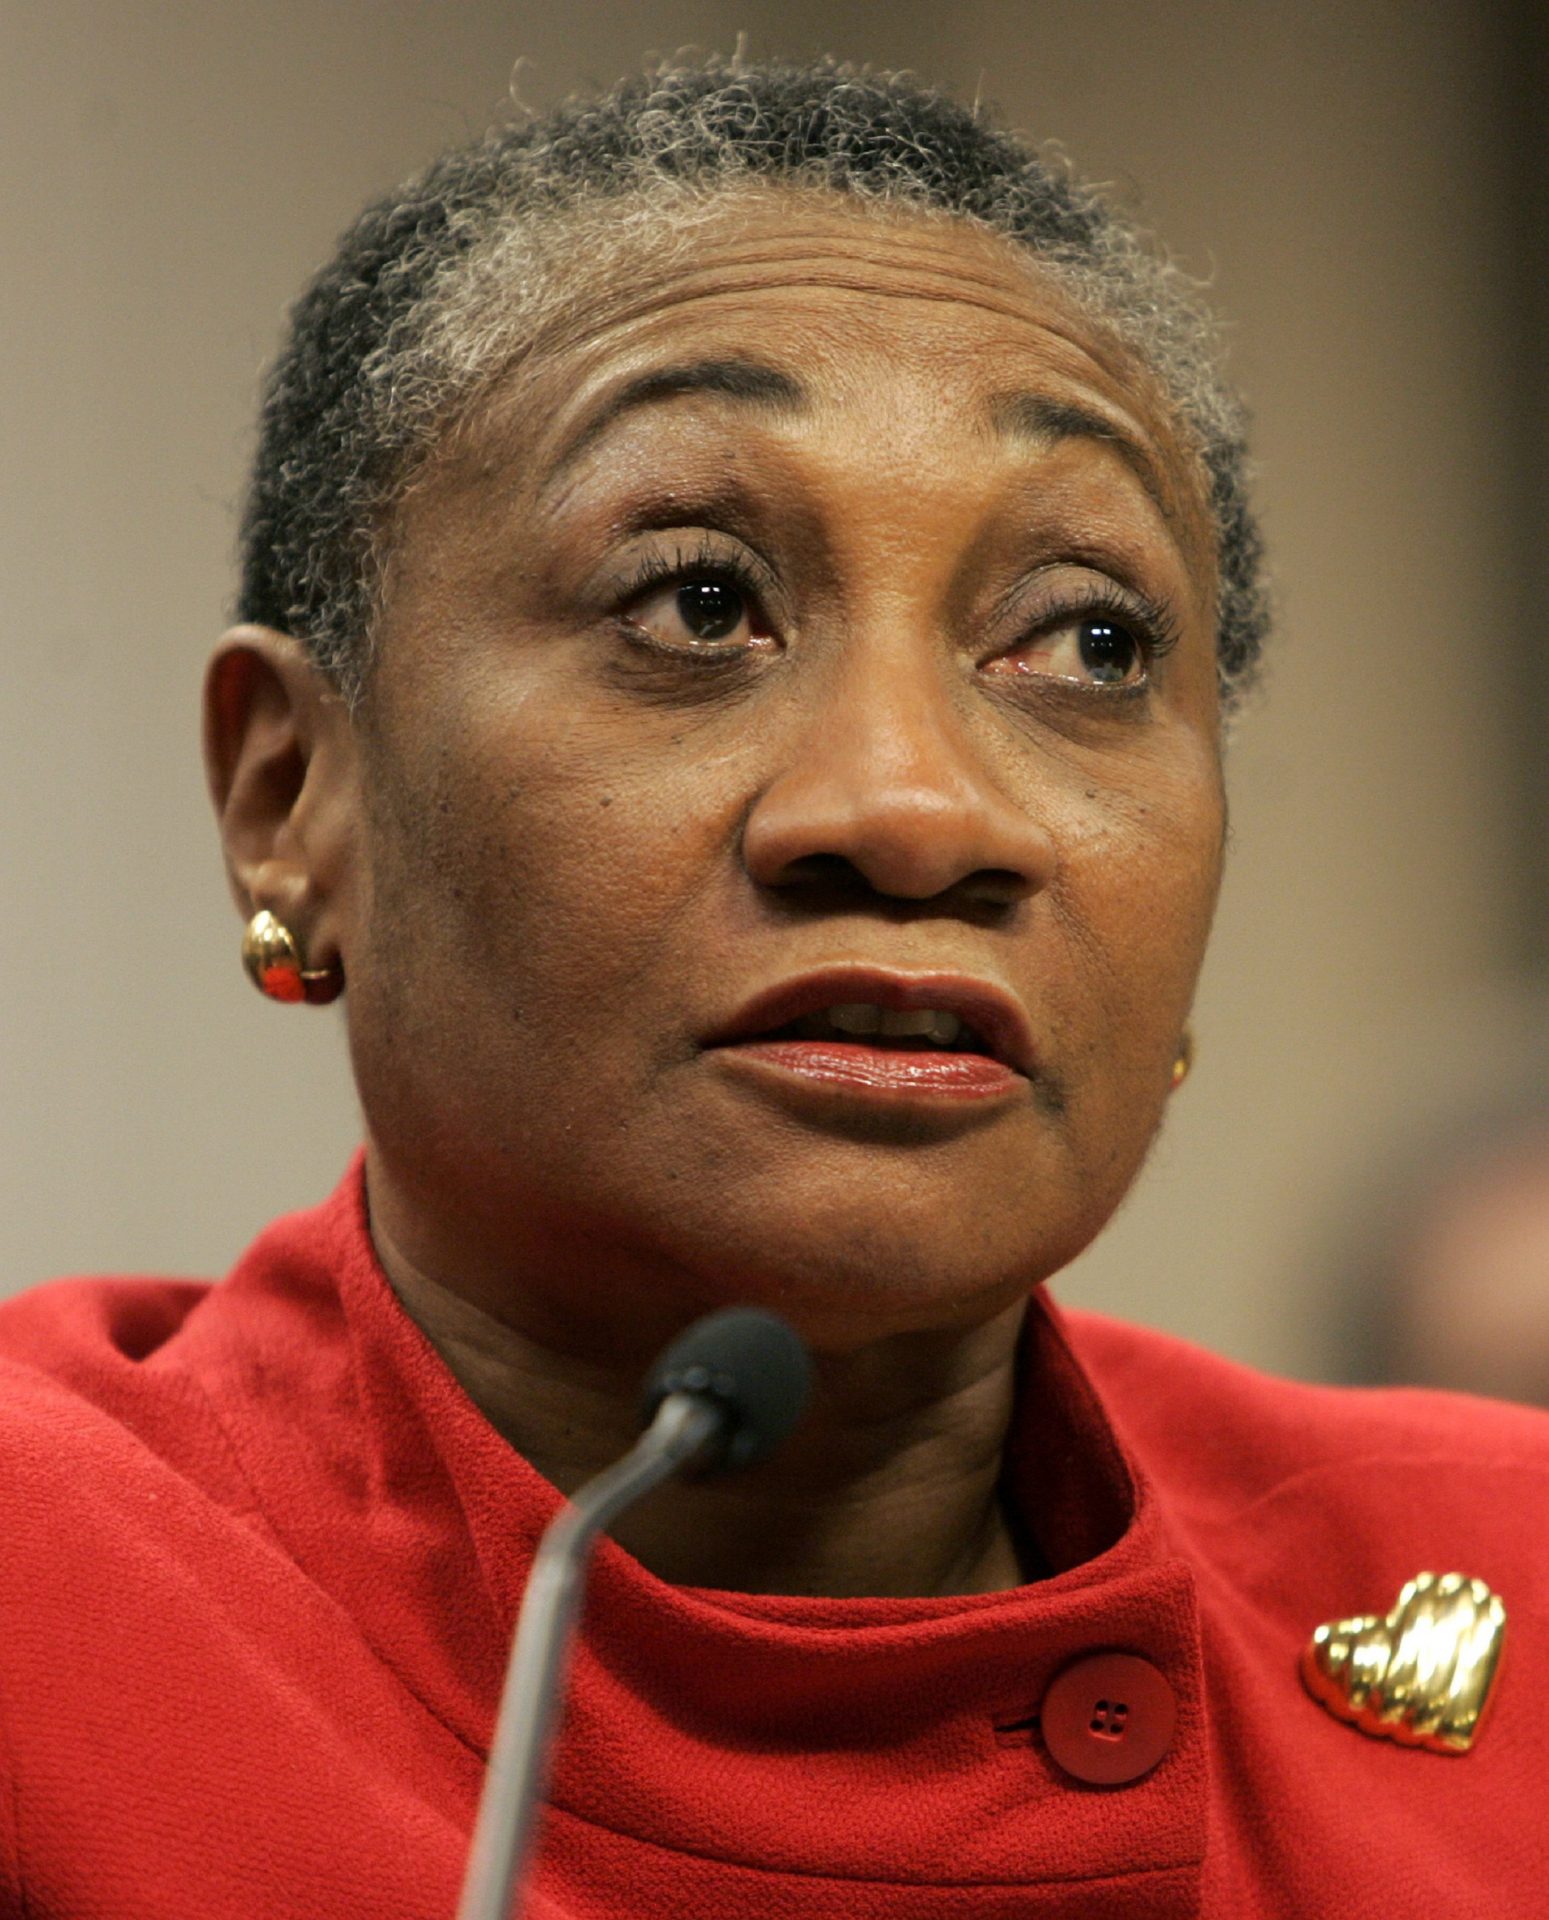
1108	1718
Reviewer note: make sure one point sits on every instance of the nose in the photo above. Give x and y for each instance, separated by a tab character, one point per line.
886	792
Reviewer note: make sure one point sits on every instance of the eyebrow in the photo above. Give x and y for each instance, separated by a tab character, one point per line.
749	381
1036	418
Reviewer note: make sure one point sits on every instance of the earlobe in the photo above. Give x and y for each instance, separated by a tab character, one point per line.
278	756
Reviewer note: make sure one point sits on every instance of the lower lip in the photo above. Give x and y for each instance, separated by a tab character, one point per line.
892	1074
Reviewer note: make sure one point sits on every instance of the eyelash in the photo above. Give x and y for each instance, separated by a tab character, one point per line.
706	561
1153	625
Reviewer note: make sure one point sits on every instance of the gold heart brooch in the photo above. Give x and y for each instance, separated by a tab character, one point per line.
1420	1675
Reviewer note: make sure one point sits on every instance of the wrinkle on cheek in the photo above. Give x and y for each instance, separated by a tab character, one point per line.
1135	894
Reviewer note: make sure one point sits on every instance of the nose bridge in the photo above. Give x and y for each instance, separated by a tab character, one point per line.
884	773
893	729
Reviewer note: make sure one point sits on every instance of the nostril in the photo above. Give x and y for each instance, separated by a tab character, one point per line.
825	873
834	880
995	887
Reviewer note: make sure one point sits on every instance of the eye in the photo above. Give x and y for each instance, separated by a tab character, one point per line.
710	609
701	611
1095	649
1109	653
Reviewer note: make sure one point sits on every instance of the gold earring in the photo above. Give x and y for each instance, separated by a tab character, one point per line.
273	962
1184	1060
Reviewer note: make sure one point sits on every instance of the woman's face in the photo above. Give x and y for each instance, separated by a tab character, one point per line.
822	619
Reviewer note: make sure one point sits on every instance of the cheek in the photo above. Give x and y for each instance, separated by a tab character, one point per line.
1147	886
1135	894
526	884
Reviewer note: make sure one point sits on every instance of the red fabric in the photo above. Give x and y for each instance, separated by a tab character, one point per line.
261	1558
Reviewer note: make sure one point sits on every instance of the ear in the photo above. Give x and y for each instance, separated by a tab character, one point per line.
280	756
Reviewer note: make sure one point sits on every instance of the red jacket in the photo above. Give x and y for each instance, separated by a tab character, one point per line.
261	1557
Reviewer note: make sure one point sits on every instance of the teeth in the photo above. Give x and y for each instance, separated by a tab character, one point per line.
918	1023
914	1024
852	1017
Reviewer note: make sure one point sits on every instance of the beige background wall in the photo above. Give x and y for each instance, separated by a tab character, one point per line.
173	172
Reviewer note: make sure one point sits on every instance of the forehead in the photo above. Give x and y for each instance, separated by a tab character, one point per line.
848	288
810	248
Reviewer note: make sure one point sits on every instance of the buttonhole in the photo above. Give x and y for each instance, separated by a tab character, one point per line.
1025	1732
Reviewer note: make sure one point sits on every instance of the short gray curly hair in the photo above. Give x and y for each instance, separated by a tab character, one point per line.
434	290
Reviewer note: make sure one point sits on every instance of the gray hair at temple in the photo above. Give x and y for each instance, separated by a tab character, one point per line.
435	291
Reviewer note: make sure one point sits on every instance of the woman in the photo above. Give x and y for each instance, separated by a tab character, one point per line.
742	581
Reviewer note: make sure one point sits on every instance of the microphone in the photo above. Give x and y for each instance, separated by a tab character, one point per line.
722	1396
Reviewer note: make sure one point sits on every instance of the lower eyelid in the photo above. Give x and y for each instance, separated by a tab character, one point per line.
651	666
641	636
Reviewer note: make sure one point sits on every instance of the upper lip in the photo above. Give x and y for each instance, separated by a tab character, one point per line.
993	1013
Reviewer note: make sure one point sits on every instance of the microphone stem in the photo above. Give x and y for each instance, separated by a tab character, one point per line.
515	1778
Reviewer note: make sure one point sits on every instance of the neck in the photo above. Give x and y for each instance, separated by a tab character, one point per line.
890	1485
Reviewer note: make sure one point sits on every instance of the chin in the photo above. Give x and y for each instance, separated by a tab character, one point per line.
869	1266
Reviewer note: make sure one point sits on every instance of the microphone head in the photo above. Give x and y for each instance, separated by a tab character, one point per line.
754	1369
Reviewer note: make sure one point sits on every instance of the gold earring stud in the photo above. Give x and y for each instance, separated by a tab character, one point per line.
273	962
1184	1060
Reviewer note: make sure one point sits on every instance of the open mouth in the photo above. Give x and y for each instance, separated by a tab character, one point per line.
874	1035
895	1029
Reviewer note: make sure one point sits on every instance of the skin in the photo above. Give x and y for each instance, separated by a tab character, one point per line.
558	847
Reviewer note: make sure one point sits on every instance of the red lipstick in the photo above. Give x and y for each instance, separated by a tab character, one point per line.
887	1071
792	1031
